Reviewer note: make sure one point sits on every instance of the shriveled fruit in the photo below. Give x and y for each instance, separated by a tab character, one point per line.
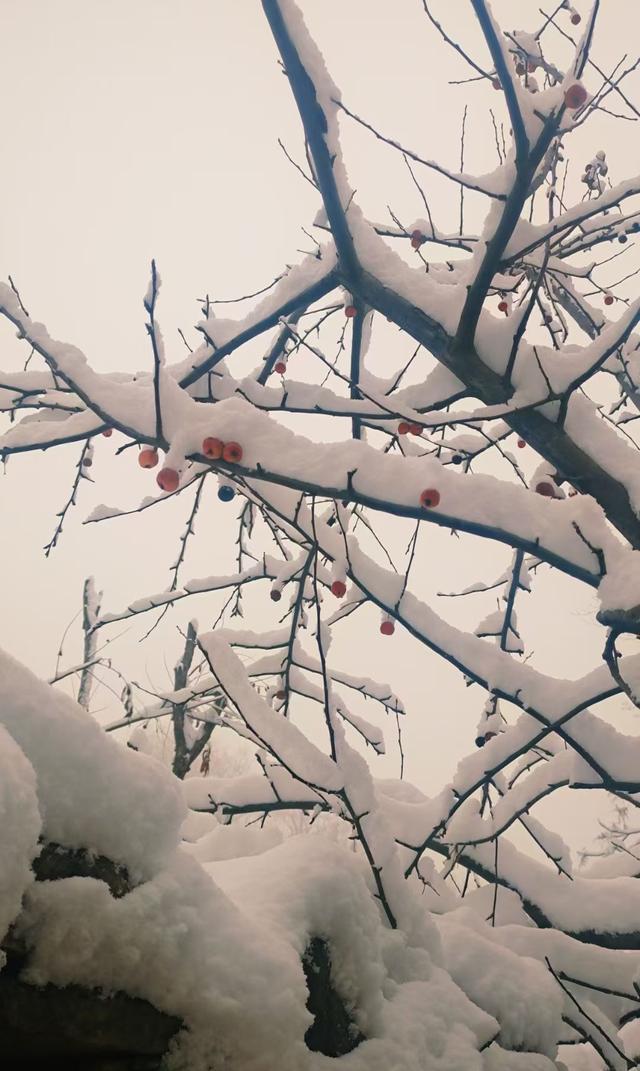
148	459
430	498
168	479
575	96
212	447
232	452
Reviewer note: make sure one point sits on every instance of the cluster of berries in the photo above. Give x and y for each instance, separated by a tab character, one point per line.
168	479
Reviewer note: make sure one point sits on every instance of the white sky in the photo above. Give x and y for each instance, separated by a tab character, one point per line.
149	129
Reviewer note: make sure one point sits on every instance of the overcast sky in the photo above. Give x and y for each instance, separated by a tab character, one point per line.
149	129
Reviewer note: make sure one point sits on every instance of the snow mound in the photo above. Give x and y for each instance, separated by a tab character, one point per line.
233	970
92	793
234	842
19	829
518	991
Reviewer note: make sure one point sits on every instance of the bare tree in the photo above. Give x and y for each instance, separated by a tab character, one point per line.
504	343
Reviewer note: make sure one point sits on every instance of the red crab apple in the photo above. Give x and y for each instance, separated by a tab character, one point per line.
387	628
521	444
608	299
281	694
232	452
350	311
280	367
576	18
212	447
415	429
520	68
404	428
339	589
575	96
148	459
276	595
87	462
108	432
430	498
417	239
168	479
503	306
496	83
545	489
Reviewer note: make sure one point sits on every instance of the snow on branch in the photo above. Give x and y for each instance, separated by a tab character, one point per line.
401	403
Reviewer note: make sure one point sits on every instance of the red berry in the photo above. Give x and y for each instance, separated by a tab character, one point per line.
168	479
87	462
387	628
276	595
521	444
576	18
417	239
608	300
232	452
520	68
415	429
212	448
148	459
430	498
403	428
575	96
281	694
108	432
339	589
495	82
350	311
545	489
503	306
280	367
